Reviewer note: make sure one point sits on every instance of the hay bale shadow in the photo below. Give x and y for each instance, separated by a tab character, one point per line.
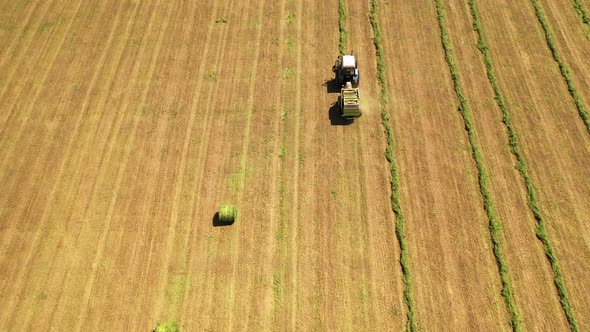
219	223
335	118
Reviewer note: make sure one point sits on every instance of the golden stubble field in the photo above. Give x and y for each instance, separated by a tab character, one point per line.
125	124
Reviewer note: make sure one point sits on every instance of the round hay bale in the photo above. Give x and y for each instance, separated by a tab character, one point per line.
167	327
227	214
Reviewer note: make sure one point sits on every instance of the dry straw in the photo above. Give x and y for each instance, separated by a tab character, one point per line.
495	225
400	230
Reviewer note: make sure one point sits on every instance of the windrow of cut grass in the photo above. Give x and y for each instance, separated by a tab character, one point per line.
522	167
583	16
342	26
495	226
563	68
400	231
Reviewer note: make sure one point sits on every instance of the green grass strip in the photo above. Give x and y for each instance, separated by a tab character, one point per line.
495	226
562	66
581	12
521	166
167	327
583	16
394	174
342	26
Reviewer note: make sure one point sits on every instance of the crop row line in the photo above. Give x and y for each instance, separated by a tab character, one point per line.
583	16
563	68
279	275
297	150
342	26
243	166
522	167
495	226
395	197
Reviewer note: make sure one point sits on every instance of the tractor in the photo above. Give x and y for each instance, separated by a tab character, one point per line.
347	76
346	70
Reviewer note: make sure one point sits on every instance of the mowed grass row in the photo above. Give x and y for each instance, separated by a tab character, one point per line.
495	226
342	26
563	68
583	16
400	231
522	168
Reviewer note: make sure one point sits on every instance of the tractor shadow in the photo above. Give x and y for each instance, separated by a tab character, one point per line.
332	86
219	223
335	118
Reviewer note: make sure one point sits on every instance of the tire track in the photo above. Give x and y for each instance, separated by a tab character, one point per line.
350	242
278	280
208	293
277	182
7	150
244	156
102	241
18	36
102	169
34	251
296	148
109	134
11	183
110	279
60	44
213	264
314	261
367	239
10	13
148	113
67	153
258	277
143	268
202	149
6	116
359	142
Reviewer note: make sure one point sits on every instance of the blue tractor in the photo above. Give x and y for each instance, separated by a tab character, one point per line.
346	70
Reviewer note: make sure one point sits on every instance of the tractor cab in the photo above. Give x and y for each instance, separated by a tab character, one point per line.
346	70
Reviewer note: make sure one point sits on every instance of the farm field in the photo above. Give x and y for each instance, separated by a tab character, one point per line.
125	124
